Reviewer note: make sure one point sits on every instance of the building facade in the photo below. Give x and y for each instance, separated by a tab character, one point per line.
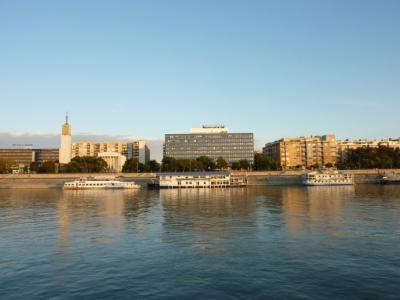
211	141
135	149
303	152
139	150
65	153
18	156
24	156
43	155
115	161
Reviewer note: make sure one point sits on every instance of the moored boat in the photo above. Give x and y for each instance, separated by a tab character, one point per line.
215	179
89	183
390	178
324	178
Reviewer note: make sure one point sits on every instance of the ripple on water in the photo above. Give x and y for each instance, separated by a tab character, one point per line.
264	242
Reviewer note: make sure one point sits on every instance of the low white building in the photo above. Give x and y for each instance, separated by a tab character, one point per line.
115	161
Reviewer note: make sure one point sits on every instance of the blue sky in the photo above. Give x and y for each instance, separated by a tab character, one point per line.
142	69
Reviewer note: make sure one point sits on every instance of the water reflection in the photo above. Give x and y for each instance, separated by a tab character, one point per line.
305	207
245	242
207	218
96	216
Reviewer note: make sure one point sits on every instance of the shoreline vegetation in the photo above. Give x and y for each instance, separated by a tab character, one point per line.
356	159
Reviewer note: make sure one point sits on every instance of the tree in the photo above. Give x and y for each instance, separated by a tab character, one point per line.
235	165
371	158
6	166
86	164
34	166
151	166
221	163
244	164
168	164
263	162
131	166
48	167
207	163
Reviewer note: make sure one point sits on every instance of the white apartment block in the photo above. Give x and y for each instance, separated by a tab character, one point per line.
134	149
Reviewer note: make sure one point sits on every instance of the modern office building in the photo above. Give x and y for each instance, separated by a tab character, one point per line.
135	149
18	156
303	151
25	156
65	153
115	161
43	155
211	141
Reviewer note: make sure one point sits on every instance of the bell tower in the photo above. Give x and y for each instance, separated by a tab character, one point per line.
65	153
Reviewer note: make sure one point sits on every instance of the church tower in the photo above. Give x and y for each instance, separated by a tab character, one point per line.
65	152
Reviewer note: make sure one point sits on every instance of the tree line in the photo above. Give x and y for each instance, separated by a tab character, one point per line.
90	164
371	158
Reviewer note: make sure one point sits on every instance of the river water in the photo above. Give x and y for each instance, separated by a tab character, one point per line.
255	242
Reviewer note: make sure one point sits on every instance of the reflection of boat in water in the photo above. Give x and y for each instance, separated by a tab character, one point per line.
390	178
320	178
90	183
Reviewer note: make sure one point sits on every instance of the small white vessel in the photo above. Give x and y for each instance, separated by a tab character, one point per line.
390	178
89	183
317	178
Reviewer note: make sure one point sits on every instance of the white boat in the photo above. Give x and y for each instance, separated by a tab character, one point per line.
390	178
215	179
90	183
318	178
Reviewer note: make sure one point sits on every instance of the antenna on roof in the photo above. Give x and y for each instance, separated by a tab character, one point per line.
66	118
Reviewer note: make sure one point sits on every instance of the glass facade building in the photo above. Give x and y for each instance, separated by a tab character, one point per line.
231	146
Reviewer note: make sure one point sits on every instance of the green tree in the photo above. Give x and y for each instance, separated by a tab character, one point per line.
371	158
207	163
47	167
86	164
244	164
34	166
151	166
221	163
263	162
6	166
168	164
131	166
235	165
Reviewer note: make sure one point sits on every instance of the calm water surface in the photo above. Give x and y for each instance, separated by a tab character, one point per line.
267	242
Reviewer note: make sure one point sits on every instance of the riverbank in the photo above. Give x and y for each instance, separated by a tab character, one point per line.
40	181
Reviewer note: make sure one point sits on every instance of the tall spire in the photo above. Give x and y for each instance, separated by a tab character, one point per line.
66	118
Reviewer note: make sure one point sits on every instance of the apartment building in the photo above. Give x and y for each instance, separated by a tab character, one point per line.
303	151
135	149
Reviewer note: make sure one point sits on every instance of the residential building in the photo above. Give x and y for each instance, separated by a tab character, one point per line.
211	141
133	149
65	153
139	150
303	152
115	161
